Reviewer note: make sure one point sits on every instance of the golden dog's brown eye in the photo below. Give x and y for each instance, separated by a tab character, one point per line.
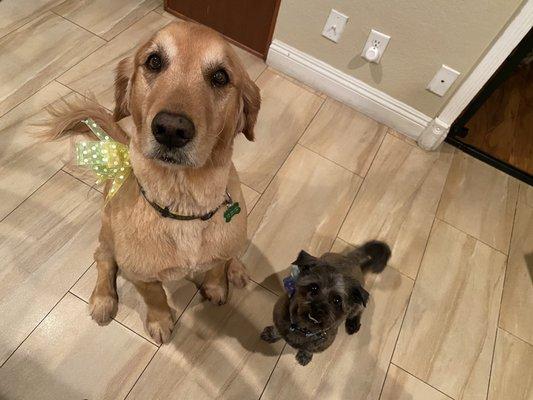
313	289
154	62
220	78
337	300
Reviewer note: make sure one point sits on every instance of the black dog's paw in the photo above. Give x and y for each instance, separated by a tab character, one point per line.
303	357
353	325
270	334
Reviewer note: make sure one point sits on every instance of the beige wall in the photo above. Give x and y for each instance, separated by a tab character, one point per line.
424	35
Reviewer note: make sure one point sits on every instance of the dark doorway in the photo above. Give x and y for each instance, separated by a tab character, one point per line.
249	24
497	126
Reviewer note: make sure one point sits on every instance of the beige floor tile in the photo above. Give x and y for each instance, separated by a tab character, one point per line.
479	200
302	209
298	83
44	48
526	194
449	329
512	369
131	306
398	201
105	18
402	137
516	314
286	110
70	357
253	64
96	73
25	161
250	197
17	13
400	385
354	367
216	352
344	136
46	244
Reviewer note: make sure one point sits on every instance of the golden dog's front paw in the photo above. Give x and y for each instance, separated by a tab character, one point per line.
237	274
103	308
216	294
160	327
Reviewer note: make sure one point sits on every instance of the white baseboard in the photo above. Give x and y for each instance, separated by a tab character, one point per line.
347	89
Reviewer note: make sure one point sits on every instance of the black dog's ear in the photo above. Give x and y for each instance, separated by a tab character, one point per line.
359	295
305	259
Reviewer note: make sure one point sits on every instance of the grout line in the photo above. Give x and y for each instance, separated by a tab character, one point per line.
85	96
266	288
298	83
142	372
79	26
513	232
150	361
46	315
115	320
36	326
30	195
416	377
330	160
261	73
273	369
515	336
93	187
279	168
411	294
472	236
357	193
79	62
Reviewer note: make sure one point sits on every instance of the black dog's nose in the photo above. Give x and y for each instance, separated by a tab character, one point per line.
172	130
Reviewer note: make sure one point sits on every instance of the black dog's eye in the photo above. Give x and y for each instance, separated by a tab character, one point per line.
154	62
313	288
337	300
220	78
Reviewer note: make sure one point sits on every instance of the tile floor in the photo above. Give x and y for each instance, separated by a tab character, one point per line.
451	318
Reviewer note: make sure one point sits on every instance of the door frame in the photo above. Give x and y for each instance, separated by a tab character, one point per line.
233	41
437	130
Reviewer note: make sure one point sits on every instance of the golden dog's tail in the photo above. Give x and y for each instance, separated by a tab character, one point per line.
65	118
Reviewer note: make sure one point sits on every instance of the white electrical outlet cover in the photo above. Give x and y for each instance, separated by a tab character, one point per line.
443	79
379	41
334	25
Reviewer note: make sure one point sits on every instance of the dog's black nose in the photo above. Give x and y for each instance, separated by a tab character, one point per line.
172	130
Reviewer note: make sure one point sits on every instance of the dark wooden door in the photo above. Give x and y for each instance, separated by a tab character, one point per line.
248	23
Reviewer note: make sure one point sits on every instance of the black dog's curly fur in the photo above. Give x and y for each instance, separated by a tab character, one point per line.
328	291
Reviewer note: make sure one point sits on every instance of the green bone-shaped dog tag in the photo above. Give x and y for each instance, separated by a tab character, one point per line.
232	210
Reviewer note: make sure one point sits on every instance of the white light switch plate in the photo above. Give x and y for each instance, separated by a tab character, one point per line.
334	25
443	79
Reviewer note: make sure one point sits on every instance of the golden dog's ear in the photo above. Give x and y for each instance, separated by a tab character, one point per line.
251	98
123	76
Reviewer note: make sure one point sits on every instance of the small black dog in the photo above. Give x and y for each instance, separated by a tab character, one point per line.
321	293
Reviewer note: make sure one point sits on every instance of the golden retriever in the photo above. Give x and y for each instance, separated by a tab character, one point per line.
189	96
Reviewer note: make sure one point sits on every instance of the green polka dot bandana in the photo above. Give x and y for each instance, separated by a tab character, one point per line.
107	158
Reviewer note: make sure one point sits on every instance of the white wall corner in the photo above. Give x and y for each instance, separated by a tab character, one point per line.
433	134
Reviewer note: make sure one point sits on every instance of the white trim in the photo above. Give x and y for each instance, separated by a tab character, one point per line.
347	89
433	135
500	50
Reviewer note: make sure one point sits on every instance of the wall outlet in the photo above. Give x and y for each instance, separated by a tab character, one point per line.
334	25
443	79
375	46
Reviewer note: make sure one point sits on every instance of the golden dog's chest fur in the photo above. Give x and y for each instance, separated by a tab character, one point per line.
148	247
